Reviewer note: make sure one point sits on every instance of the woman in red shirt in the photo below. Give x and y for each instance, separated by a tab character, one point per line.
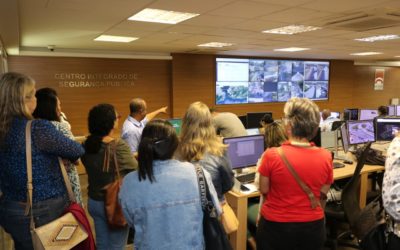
288	221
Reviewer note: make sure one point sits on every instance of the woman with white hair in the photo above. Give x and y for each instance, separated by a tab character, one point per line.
289	218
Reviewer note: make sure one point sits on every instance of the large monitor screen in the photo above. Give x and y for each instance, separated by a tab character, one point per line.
386	128
177	124
254	119
266	80
244	151
360	132
350	114
368	114
391	110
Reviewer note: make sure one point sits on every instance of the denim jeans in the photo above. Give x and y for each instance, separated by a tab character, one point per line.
14	222
106	238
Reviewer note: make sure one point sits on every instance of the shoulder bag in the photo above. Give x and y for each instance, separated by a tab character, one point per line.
62	233
314	202
115	217
215	237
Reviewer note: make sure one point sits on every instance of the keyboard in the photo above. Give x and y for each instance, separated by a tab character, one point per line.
246	178
338	165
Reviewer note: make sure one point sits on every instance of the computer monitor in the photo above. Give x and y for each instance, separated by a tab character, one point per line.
177	124
244	151
344	138
386	128
253	119
243	119
333	114
368	114
253	131
360	132
398	110
391	110
350	114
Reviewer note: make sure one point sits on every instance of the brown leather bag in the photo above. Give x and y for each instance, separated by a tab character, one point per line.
115	217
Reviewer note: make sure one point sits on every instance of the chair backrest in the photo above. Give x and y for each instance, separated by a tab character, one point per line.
350	193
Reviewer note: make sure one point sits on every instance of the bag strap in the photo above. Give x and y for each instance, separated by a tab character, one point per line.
28	152
306	189
202	186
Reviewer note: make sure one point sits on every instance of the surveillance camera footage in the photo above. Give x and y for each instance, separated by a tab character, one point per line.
361	132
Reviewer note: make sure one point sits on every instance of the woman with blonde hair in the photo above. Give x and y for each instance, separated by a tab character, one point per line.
17	102
199	143
293	218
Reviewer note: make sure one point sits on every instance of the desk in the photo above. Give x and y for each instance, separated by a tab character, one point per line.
238	202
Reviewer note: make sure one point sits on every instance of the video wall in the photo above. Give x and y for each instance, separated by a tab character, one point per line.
258	80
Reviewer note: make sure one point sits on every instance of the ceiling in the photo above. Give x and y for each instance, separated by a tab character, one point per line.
27	27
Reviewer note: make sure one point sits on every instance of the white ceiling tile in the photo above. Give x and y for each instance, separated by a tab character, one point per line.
193	6
341	5
294	15
247	9
213	21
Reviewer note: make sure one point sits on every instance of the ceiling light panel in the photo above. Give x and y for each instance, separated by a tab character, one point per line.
366	53
117	39
291	29
161	16
291	49
377	38
215	45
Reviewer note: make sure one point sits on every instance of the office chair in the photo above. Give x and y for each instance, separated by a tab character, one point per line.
349	210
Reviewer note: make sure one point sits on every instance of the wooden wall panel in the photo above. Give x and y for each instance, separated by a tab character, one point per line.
364	94
151	81
193	79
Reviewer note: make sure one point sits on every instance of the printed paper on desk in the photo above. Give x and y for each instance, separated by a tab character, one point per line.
252	188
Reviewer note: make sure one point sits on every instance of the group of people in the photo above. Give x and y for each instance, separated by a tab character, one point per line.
160	195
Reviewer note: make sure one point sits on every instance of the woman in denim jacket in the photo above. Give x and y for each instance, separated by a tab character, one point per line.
17	102
162	200
199	143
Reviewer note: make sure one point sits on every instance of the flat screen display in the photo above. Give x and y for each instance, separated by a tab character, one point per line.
398	110
254	119
360	132
391	110
368	114
350	114
266	80
177	124
386	128
244	151
333	114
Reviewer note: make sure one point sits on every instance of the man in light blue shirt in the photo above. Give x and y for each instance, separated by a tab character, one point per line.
134	124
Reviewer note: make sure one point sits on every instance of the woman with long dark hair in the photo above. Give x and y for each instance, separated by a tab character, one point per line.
162	200
49	108
101	145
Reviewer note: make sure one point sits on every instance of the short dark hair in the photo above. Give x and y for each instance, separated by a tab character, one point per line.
158	142
46	106
100	122
383	110
136	105
267	119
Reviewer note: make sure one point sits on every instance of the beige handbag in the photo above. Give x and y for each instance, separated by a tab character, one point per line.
62	233
229	219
